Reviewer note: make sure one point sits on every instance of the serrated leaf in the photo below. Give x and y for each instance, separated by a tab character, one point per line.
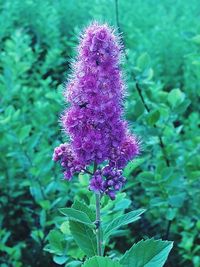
98	261
77	215
82	233
148	253
122	220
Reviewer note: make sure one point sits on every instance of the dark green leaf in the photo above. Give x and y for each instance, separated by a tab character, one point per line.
125	219
148	253
82	233
101	262
153	117
76	215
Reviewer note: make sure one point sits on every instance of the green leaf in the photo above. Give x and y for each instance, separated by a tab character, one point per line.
24	132
132	165
55	240
42	218
171	214
146	176
83	207
77	215
84	237
74	264
37	235
122	220
153	117
60	259
82	233
196	39
64	228
175	97
177	200
143	61
98	261
148	253
139	108
148	74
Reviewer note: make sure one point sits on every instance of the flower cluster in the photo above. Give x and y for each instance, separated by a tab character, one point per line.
69	163
94	119
109	180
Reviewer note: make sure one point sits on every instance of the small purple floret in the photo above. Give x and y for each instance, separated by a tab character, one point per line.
109	180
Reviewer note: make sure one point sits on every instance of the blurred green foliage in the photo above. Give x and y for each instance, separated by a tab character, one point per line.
162	66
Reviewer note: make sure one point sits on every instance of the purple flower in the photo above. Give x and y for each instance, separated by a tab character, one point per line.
96	183
108	180
68	160
94	121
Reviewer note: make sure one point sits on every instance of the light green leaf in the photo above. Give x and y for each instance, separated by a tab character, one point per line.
77	215
74	264
98	261
55	239
64	228
60	260
24	132
122	220
175	97
148	74
196	39
148	253
171	214
143	61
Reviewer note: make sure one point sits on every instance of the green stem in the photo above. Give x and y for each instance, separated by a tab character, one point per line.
98	225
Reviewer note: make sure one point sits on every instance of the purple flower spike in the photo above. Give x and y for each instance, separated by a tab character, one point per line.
94	120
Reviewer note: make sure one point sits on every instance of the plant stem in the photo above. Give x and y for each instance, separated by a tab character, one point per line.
168	229
98	225
98	219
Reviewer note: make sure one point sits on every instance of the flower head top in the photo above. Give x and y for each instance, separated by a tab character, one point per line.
94	121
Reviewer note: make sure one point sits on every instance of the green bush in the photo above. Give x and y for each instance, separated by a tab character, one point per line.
162	43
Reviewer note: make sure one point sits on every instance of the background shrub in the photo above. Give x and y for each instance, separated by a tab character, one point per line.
162	63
